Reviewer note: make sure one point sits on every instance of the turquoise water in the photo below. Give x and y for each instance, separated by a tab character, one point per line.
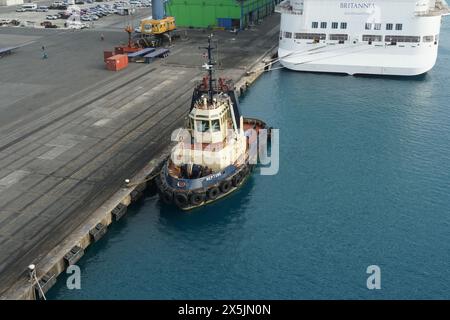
364	179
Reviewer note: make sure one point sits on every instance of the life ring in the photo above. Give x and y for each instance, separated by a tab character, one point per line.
225	186
181	199
213	193
236	179
197	198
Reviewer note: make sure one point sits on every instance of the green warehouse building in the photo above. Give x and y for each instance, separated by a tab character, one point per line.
226	14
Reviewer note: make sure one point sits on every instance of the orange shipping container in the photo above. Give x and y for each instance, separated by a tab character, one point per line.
117	62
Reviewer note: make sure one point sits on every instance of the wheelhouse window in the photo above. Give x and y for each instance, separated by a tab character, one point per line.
377	26
428	39
323	25
389	26
343	25
372	37
288	35
399	26
215	125
315	25
202	125
334	25
310	36
368	26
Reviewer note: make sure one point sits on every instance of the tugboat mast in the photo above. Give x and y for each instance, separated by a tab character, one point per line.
210	69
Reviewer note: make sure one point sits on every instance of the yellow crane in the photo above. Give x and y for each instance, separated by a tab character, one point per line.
157	27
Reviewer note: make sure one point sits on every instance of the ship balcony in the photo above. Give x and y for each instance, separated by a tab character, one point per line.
285	7
439	8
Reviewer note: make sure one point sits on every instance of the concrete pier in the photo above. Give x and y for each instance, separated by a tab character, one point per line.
71	132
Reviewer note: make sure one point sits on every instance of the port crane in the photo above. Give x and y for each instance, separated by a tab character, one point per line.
154	29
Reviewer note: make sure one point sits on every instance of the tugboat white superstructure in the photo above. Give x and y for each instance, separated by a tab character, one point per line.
212	158
380	37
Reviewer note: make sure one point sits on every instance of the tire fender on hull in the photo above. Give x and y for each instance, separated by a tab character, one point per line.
197	198
213	193
181	199
225	186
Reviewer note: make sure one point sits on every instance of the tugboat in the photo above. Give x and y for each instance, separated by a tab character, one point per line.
215	151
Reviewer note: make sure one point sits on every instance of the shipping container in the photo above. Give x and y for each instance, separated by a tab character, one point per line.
117	62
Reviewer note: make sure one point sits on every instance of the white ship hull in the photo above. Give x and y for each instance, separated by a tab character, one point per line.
410	51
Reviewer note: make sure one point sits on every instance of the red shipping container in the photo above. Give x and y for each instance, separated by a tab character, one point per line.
117	62
107	54
125	49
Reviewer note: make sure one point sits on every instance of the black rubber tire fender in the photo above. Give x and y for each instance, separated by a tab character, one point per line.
197	198
236	179
213	193
225	186
166	196
181	199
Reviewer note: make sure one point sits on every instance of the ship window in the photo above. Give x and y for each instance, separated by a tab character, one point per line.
398	26
215	125
372	37
377	26
202	125
389	26
310	36
334	25
315	25
323	25
402	39
339	37
428	39
288	35
368	26
343	25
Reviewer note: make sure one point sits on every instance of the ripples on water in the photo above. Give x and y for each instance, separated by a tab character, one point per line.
364	179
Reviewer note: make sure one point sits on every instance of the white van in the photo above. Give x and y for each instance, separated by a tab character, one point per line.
42	9
30	6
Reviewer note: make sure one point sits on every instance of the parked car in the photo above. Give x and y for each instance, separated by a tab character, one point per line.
21	10
51	17
48	24
42	9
